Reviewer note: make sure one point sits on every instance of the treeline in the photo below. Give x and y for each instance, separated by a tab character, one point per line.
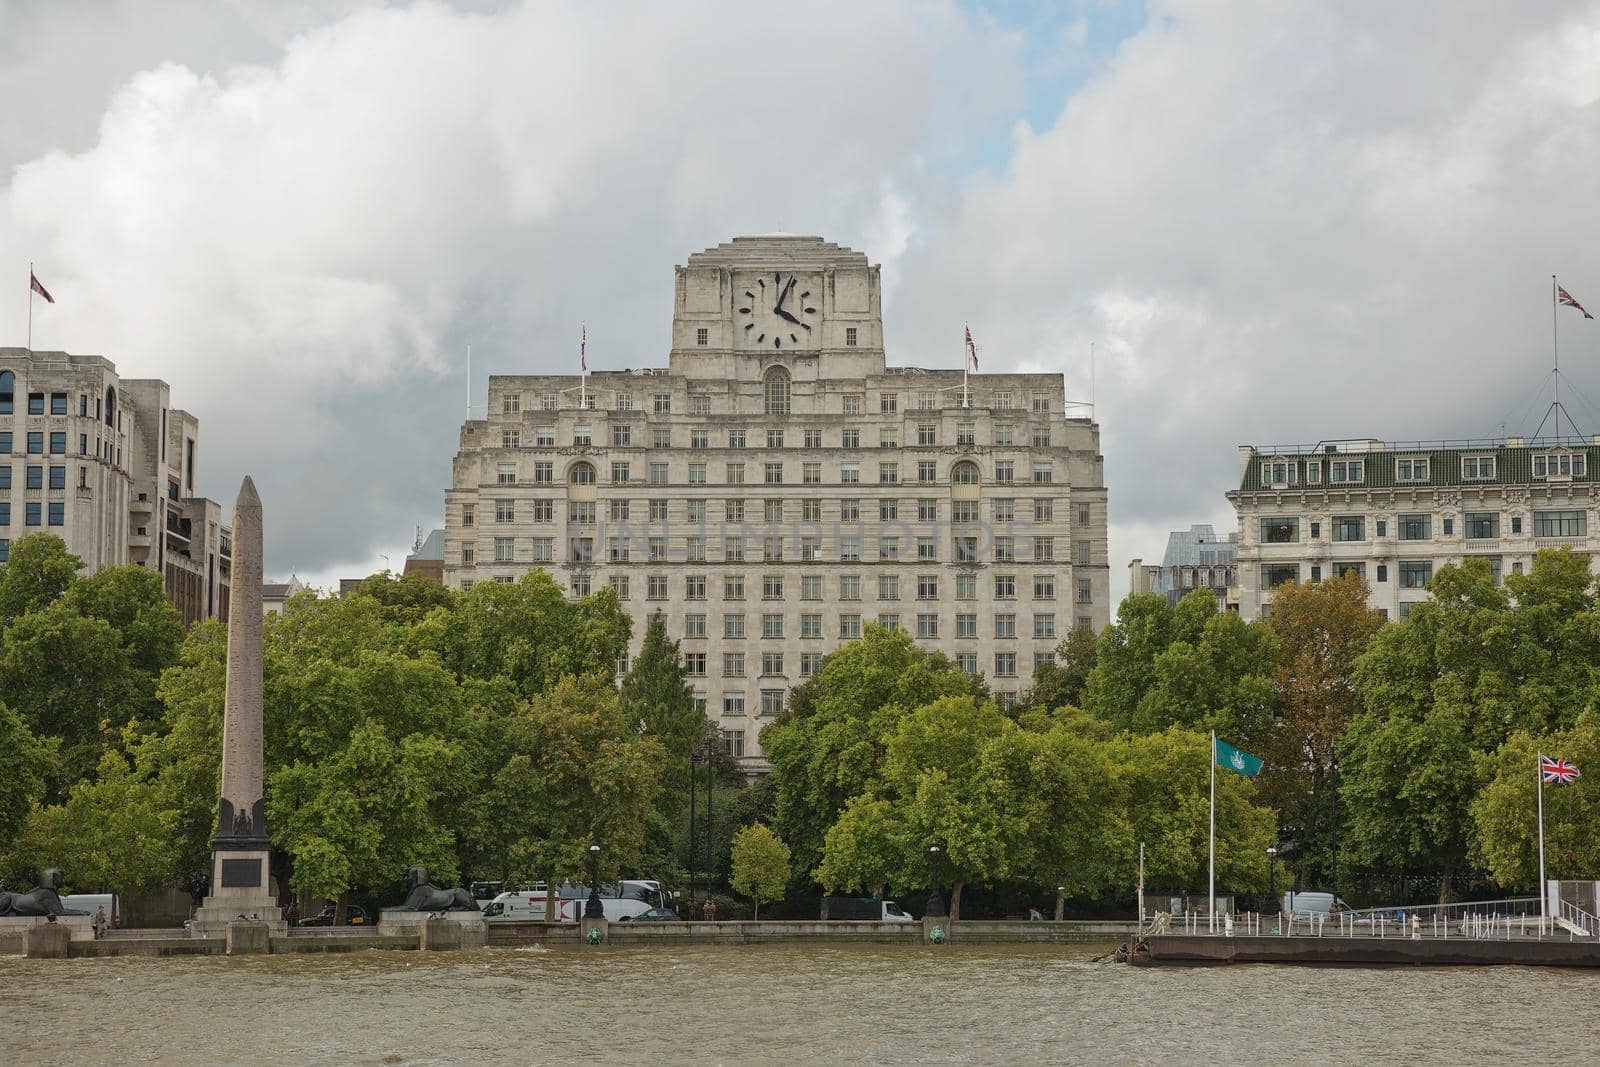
484	733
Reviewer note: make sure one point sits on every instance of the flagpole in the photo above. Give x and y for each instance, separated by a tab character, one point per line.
583	367
469	385
966	364
30	305
1555	352
1538	783
1211	891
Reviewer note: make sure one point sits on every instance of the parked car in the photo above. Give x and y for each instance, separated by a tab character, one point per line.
354	915
654	915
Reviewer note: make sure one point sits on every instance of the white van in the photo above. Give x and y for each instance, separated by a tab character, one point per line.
1310	904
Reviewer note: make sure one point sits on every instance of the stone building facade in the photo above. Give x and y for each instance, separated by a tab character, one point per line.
108	465
777	486
1396	513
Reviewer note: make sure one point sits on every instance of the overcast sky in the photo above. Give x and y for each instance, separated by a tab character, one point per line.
1276	222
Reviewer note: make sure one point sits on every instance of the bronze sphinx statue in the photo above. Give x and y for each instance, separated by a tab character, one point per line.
425	896
44	900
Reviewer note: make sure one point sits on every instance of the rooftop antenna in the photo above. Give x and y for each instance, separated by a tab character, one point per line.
416	545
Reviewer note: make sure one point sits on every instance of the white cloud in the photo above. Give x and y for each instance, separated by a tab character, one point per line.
304	245
1288	222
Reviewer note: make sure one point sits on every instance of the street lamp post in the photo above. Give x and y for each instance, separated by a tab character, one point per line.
935	908
592	908
1061	901
1272	880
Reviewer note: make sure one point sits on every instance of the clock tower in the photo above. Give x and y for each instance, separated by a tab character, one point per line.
806	303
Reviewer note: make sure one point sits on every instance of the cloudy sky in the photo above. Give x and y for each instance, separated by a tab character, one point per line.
1275	222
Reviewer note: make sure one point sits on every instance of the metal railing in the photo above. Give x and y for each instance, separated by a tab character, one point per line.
1507	919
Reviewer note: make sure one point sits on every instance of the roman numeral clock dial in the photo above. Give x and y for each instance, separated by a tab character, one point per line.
777	310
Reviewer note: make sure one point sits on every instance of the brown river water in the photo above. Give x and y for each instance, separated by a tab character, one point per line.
781	1004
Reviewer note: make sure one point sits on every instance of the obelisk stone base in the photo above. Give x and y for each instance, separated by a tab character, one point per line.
249	938
241	891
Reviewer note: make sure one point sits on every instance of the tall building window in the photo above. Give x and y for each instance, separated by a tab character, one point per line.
581	474
850	336
701	336
776	391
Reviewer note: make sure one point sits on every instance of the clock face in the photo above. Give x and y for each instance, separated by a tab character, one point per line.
777	310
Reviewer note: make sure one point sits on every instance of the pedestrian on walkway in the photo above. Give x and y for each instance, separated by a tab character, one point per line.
100	922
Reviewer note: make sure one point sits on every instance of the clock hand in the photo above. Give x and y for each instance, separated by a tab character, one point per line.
778	307
782	314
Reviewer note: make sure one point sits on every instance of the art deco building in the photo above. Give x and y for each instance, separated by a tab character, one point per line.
1396	513
108	465
777	486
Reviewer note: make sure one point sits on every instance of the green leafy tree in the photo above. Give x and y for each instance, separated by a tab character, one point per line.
1187	665
1505	812
827	746
656	697
26	762
1072	801
572	771
38	572
760	864
1060	682
945	783
69	677
530	634
367	810
111	833
1168	787
406	598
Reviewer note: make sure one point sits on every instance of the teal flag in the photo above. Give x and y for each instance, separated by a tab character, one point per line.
1237	759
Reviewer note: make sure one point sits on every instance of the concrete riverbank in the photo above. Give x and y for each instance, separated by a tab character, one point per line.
966	931
1206	949
177	942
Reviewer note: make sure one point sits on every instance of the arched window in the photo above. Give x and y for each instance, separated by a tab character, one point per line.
8	392
581	474
777	391
964	473
111	406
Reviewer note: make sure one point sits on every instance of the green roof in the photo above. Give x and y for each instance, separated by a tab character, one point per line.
1513	466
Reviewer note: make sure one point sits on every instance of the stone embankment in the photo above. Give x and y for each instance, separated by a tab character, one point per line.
179	942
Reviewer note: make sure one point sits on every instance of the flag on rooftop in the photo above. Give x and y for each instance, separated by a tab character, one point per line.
1236	759
38	287
972	349
1557	771
583	345
1566	299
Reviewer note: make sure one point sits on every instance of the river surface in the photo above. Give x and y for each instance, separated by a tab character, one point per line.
787	1003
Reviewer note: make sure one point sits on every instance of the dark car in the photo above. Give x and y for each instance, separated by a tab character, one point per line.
654	915
354	915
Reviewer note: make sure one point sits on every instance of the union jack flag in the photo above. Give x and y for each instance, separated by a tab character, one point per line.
972	349
1566	300
1557	771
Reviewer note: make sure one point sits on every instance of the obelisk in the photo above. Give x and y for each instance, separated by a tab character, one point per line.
241	851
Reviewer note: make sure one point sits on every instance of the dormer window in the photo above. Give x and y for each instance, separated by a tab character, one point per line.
1313	472
1558	465
1477	468
1277	473
1346	471
1411	470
